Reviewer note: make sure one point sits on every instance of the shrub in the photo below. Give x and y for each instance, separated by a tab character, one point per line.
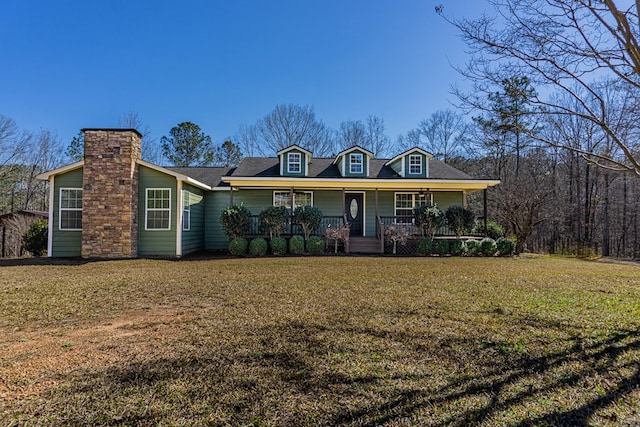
315	245
441	247
457	247
258	247
278	246
296	245
506	247
36	238
424	246
473	247
488	246
273	220
459	219
238	246
236	221
309	218
428	219
494	230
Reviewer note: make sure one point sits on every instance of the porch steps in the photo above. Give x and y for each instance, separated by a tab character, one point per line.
364	245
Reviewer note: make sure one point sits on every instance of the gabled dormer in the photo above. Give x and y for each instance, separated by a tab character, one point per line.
294	161
354	162
413	163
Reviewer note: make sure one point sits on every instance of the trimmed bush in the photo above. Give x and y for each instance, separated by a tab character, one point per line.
441	247
236	221
258	247
273	220
506	247
278	246
35	239
428	219
424	246
315	245
473	247
459	219
488	246
457	247
309	218
296	245
238	246
494	230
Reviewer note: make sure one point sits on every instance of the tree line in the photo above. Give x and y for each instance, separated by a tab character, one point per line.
553	113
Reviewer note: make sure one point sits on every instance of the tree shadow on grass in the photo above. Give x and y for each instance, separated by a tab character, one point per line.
329	369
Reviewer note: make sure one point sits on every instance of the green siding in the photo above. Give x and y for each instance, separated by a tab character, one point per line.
65	243
156	242
193	239
365	164
446	199
407	173
285	163
215	237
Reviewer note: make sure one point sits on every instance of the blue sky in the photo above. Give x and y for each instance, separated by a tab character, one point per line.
71	64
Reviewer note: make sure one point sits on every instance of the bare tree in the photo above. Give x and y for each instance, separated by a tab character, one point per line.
410	140
446	134
560	44
151	151
286	125
376	139
350	133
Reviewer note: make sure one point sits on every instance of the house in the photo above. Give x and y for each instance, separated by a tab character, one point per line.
113	204
13	226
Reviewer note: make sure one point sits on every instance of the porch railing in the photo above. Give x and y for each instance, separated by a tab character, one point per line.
409	225
255	230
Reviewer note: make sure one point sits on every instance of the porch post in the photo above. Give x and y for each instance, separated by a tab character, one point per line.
344	208
293	206
486	230
231	196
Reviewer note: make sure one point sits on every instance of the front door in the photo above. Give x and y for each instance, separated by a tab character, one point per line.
354	211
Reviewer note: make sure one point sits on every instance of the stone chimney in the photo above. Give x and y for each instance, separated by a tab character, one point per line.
110	193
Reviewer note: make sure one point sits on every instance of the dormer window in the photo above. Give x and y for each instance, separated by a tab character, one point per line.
355	163
415	164
294	162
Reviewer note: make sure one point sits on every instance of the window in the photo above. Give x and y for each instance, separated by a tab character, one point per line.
70	209
158	209
294	163
186	211
355	163
405	202
300	198
415	164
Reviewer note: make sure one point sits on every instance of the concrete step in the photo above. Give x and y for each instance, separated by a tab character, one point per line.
367	245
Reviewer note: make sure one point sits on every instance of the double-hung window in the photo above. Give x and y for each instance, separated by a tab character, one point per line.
158	209
186	210
70	209
415	164
294	162
405	202
356	161
300	198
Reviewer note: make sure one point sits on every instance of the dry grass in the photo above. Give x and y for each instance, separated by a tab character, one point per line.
321	341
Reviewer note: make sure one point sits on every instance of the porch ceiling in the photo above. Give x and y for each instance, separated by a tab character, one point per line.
359	184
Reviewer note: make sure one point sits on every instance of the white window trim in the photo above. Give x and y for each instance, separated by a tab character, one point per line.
414	197
293	201
147	209
297	162
353	156
60	208
419	164
186	208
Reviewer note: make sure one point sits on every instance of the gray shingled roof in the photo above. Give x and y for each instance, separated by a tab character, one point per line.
206	175
325	168
318	168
